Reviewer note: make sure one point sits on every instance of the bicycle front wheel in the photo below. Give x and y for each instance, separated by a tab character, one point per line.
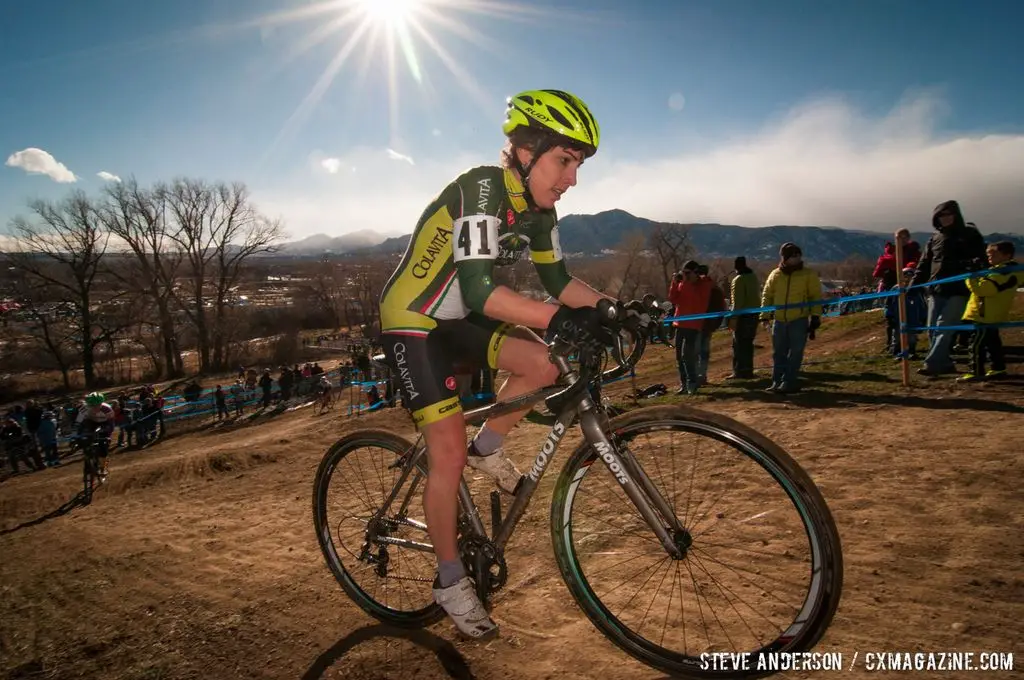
761	567
363	548
90	471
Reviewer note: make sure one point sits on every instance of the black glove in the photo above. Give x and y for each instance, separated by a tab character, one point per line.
813	326
584	326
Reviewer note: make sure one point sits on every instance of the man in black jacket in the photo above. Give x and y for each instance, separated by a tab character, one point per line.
955	248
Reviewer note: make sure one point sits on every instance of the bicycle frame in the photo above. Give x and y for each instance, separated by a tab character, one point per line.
652	506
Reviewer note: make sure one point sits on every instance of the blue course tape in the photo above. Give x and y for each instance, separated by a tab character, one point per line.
966	327
841	300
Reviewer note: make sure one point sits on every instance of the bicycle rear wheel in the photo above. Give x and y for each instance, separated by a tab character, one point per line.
391	583
762	566
89	473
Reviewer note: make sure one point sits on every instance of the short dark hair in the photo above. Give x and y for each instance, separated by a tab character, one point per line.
531	138
1004	247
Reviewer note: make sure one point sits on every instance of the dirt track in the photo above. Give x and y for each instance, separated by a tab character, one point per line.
198	559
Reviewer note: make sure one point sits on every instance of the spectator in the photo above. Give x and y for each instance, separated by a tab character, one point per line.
192	392
716	303
238	396
33	417
47	436
266	382
285	382
885	268
990	301
16	445
954	249
123	414
911	248
744	295
222	403
690	296
147	426
917	315
790	284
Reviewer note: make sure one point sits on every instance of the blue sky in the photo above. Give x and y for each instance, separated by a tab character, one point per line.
856	114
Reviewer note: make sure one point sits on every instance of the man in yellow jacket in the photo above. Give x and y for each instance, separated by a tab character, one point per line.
789	286
990	301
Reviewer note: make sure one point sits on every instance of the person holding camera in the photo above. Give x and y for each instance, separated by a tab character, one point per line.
957	247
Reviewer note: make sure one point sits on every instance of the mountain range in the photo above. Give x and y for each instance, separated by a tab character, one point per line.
605	231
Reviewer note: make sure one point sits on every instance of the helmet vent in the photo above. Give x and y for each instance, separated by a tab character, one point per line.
557	115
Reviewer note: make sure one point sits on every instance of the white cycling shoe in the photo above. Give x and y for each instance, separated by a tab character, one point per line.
461	603
496	465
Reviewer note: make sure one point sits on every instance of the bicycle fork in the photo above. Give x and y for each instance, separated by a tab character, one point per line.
637	486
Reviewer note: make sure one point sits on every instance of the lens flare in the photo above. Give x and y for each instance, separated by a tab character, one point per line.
378	30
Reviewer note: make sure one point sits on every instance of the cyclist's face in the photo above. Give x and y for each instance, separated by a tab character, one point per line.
553	174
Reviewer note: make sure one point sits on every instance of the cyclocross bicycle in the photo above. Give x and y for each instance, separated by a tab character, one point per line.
90	464
678	532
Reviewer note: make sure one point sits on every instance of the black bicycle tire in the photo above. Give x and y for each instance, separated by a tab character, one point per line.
679	665
88	474
420	618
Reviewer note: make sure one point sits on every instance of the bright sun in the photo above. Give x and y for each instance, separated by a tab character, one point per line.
389	11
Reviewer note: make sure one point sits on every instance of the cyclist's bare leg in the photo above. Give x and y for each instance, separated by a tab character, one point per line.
446	456
525	357
453	590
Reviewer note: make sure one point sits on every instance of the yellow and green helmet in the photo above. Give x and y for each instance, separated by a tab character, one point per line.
558	111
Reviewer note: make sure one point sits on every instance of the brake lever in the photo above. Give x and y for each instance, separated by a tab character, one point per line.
618	352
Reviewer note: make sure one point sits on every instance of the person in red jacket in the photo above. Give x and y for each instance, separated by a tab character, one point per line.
690	295
911	248
716	303
885	268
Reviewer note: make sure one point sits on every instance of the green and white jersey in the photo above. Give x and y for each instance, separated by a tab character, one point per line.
479	221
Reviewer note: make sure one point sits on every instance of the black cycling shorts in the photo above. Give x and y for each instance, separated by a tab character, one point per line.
425	362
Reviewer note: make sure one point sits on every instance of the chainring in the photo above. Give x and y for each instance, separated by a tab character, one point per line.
480	555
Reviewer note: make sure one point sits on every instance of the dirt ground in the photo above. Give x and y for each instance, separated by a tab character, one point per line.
198	559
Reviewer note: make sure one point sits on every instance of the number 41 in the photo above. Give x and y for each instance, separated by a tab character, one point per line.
465	241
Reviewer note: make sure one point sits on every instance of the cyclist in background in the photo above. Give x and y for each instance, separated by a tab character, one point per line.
442	306
323	391
97	414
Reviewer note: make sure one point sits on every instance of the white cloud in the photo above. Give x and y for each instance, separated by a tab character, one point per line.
38	162
107	176
676	101
331	165
378	194
825	163
395	156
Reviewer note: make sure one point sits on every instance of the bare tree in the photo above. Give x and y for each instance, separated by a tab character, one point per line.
634	262
327	289
672	248
242	235
217	229
369	284
61	257
136	217
48	329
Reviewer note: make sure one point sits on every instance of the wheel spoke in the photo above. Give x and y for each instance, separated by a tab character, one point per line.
745	572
